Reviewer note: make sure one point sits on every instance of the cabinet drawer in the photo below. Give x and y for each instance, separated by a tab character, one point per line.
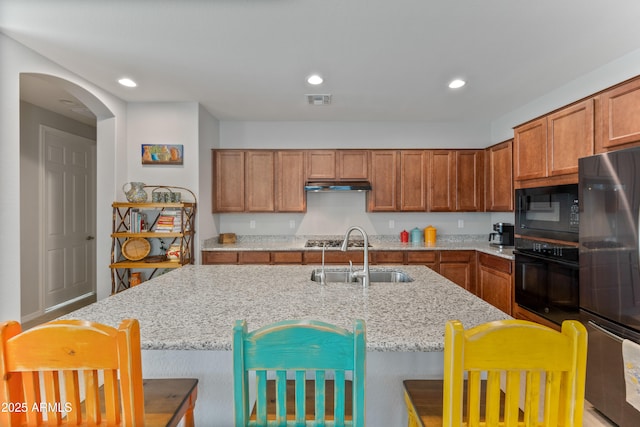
421	257
255	257
209	257
456	256
388	257
496	263
334	257
286	257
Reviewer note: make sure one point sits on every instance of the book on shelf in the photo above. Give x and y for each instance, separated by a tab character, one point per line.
137	221
169	221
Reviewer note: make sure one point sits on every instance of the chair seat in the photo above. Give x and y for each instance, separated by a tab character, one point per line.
166	401
310	398
425	404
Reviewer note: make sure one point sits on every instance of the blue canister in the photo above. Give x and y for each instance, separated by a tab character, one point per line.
416	235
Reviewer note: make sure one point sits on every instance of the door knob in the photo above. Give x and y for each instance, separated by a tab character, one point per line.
90	237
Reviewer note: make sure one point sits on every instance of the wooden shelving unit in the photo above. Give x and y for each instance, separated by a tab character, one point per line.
121	267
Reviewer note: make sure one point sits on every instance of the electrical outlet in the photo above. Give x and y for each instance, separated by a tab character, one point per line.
392	224
461	223
252	224
292	223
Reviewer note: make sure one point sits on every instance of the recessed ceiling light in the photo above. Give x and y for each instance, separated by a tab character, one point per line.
457	83
314	79
127	82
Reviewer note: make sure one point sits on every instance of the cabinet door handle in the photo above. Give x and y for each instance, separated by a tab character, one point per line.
90	237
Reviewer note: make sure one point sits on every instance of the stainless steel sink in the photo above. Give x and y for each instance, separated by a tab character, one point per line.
344	276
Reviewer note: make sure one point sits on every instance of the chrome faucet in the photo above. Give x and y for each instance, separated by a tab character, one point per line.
364	273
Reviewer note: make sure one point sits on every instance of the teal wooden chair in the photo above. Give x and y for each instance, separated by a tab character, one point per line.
317	357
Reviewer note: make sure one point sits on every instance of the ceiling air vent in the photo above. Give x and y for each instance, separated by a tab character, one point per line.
319	99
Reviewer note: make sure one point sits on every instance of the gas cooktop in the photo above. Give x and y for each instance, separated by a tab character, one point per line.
333	243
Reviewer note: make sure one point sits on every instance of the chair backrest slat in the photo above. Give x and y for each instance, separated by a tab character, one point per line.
70	358
502	353
298	353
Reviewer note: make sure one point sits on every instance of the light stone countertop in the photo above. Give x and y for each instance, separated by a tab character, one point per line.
194	307
378	243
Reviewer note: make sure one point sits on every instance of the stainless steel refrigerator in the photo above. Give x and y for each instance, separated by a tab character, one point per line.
609	197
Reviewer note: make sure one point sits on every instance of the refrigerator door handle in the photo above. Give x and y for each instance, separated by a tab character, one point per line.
605	331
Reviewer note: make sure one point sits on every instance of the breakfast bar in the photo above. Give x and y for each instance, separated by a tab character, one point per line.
186	318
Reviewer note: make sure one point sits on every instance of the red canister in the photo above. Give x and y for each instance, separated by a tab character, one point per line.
404	236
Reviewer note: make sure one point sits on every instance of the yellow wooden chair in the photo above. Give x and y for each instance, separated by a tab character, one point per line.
300	348
44	372
505	373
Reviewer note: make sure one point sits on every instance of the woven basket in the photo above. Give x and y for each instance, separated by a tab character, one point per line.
136	248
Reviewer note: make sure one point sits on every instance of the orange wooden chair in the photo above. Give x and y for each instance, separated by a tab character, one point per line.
44	372
506	373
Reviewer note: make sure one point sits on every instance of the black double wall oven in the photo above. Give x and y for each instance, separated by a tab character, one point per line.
546	251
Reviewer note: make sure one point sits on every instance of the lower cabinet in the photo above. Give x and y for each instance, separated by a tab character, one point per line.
460	268
524	314
495	281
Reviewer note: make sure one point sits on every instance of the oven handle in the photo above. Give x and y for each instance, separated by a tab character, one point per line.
605	331
547	260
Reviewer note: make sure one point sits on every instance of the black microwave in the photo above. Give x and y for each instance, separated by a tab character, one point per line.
548	212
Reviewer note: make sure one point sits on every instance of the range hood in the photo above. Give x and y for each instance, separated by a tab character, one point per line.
317	186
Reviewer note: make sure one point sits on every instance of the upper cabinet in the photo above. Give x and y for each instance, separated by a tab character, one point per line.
499	177
258	181
290	179
383	196
228	176
426	180
469	180
550	146
456	181
619	117
413	180
345	165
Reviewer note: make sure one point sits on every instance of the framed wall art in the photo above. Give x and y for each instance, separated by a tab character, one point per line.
162	154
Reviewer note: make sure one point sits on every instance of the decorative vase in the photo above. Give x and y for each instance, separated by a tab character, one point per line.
136	193
173	253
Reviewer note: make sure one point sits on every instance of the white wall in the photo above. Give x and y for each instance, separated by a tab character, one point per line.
599	79
209	138
16	59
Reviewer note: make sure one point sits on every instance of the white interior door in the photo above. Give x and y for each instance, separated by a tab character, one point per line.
68	216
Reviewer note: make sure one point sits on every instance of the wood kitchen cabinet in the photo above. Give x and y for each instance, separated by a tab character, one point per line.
259	181
530	150
460	268
321	164
499	177
228	176
495	281
427	258
347	165
383	173
570	136
387	257
413	180
456	181
290	179
442	185
334	257
619	117
550	146
251	257
469	184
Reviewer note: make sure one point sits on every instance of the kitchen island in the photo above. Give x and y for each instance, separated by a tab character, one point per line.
186	318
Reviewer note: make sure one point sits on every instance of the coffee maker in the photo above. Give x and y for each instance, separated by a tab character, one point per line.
503	235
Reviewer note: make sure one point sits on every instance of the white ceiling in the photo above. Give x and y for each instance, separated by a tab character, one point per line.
382	60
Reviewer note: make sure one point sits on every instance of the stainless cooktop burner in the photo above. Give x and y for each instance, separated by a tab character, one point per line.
333	243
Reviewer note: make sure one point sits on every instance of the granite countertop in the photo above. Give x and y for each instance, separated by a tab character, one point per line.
378	243
194	307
